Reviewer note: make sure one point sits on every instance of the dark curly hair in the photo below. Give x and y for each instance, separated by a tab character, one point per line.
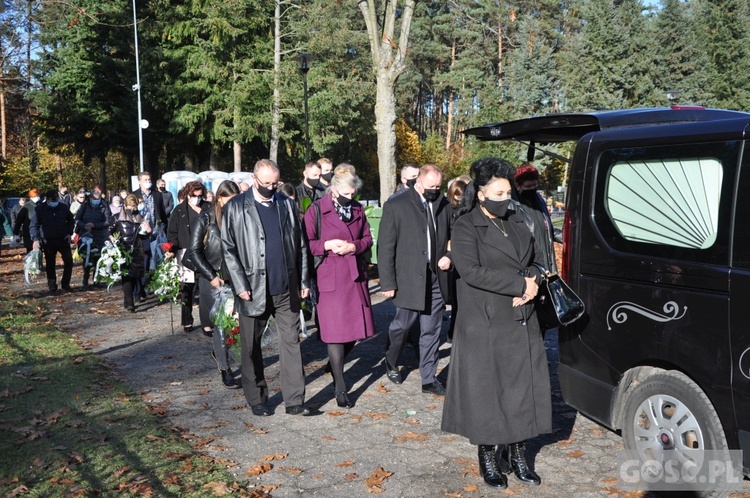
482	172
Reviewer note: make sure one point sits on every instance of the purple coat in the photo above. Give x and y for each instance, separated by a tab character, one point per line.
344	307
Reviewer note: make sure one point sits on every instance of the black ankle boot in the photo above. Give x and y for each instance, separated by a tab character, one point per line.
488	468
520	467
502	459
228	380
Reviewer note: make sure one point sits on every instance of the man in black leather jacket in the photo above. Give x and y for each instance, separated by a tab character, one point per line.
50	230
266	258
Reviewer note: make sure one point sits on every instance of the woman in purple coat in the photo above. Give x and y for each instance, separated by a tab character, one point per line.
344	308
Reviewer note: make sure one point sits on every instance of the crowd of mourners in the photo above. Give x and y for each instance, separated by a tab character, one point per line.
482	247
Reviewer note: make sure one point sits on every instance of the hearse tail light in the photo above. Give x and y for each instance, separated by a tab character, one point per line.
566	236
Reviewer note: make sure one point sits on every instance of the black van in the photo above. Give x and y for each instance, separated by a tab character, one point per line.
657	244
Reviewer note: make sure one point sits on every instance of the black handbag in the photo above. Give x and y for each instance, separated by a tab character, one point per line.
317	260
556	303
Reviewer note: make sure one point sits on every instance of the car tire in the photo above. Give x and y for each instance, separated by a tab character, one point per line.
668	416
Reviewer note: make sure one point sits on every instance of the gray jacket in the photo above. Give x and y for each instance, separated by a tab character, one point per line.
243	240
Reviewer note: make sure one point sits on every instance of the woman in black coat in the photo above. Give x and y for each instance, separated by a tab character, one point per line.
206	255
93	218
498	389
181	222
133	231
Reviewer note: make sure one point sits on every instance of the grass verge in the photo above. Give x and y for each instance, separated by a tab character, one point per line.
68	427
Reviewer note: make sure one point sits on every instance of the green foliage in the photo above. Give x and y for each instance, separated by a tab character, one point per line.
73	429
207	80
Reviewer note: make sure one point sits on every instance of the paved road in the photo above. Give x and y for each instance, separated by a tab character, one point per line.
332	454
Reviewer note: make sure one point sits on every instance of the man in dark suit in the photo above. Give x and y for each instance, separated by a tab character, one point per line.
310	186
152	212
266	257
413	238
168	200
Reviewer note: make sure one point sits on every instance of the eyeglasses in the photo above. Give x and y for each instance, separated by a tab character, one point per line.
269	184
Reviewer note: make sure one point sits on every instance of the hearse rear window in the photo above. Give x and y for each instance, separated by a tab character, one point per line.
667	201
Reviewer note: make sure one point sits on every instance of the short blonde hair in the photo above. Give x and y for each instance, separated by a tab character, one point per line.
345	175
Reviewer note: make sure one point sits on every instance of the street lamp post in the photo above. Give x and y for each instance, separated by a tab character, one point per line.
304	66
142	123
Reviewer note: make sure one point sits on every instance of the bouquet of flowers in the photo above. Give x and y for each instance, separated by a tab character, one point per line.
87	249
225	317
165	281
113	263
32	265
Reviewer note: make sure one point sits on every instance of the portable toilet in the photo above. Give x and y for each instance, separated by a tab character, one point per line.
175	180
242	176
212	179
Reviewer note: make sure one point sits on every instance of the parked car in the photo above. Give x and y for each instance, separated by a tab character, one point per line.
657	244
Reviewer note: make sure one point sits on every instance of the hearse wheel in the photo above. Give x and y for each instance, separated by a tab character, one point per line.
668	417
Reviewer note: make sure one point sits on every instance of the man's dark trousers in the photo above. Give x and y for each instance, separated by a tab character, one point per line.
430	324
51	248
290	357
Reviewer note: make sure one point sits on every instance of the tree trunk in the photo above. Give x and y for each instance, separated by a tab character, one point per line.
385	124
130	166
103	172
449	131
273	152
2	125
237	156
499	54
213	160
388	63
59	171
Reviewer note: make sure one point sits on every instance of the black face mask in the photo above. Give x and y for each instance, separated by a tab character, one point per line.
343	201
411	182
162	189
327	177
313	182
431	194
129	212
496	208
266	192
527	194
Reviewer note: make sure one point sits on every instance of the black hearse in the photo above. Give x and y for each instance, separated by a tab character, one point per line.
657	244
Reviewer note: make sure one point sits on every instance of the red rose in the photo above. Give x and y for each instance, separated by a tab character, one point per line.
235	331
231	341
167	247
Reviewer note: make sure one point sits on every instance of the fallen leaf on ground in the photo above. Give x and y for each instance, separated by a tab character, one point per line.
292	470
329	438
609	481
411	436
430	407
121	471
336	414
257	470
376	415
375	482
275	456
470	488
383	389
412	421
576	454
218	488
345	463
318	476
259	430
351	477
